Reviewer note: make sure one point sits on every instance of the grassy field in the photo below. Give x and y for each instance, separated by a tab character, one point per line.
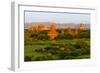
59	49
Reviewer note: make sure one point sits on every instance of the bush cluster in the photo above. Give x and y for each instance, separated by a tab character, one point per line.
62	51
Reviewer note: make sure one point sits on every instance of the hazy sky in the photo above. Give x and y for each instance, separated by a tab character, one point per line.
56	17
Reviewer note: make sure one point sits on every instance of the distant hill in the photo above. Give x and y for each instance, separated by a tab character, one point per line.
58	25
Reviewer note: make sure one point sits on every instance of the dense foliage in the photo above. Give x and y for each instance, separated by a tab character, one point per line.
39	46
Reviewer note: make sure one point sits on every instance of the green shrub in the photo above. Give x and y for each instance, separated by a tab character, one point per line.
28	41
28	58
81	43
39	49
39	58
84	34
51	47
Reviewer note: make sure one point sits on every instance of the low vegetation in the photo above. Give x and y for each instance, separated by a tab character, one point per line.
40	46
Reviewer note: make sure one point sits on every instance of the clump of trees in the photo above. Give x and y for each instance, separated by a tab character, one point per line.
52	32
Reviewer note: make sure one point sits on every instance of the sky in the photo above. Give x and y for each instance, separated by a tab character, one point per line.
31	17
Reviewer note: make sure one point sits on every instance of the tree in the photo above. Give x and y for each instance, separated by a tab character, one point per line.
33	28
76	32
52	33
70	30
81	27
62	29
